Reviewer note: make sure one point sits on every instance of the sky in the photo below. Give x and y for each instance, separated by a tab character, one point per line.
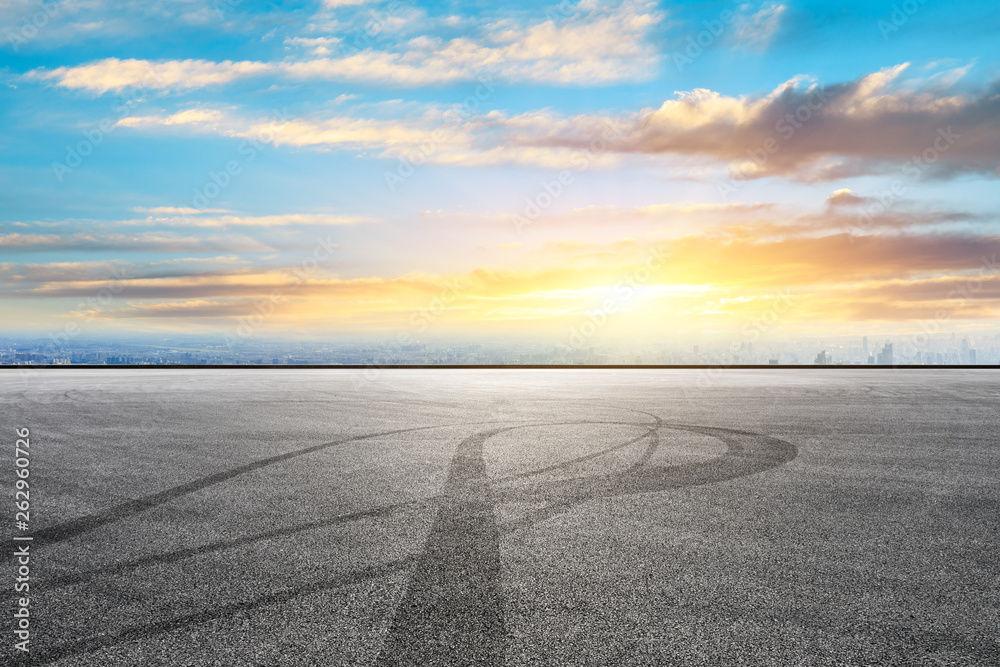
410	169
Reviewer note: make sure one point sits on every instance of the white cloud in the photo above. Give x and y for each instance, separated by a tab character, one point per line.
112	74
433	135
855	127
188	117
283	220
153	241
596	45
757	31
318	46
177	210
332	4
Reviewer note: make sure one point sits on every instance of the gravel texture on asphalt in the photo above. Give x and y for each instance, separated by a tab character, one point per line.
508	517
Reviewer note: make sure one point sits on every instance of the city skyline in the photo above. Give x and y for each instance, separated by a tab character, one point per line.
951	350
356	168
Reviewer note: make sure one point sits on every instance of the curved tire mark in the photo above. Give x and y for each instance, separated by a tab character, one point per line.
149	630
453	610
80	525
454	602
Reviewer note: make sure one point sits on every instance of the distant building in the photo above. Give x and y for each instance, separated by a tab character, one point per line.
972	357
822	359
864	347
885	356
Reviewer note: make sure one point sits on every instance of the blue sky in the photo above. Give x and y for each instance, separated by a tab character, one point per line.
203	149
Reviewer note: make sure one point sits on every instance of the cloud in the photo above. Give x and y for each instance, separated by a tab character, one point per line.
430	134
177	210
318	46
594	45
844	197
207	117
845	211
145	242
74	21
114	75
176	216
12	241
875	124
184	309
757	30
282	220
720	270
332	4
935	290
86	275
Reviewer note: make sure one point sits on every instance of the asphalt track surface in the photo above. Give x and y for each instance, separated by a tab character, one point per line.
522	517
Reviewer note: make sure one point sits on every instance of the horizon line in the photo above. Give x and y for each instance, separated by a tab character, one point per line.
506	366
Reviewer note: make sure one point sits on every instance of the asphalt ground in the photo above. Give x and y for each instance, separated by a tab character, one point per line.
495	517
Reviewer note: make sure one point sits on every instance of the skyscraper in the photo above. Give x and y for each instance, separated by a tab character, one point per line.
885	356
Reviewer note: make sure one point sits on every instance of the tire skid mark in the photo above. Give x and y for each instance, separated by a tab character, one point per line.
580	459
74	527
385	510
150	630
654	444
223	545
80	525
747	454
737	462
453	610
454	601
